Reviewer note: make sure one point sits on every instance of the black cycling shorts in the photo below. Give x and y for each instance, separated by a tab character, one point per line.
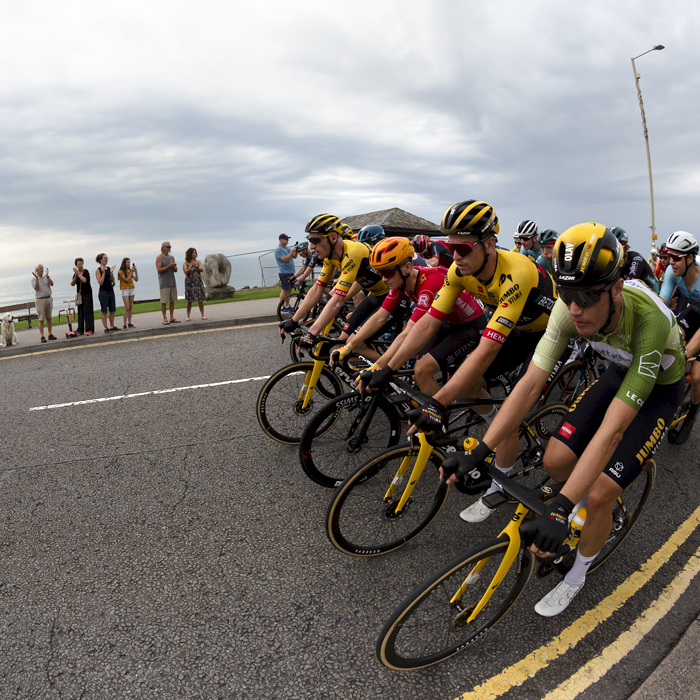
452	343
517	350
689	321
644	434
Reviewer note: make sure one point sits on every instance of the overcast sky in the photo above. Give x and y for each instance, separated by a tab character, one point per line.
220	124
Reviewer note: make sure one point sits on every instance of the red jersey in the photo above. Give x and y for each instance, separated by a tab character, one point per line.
429	283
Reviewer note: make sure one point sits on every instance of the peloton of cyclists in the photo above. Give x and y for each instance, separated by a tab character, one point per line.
602	443
456	335
521	295
634	266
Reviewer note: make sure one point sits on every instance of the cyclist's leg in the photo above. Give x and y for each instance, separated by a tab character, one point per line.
641	440
689	321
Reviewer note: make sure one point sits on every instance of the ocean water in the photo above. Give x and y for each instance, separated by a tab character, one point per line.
245	271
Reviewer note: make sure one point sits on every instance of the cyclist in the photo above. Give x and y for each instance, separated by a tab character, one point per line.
370	235
602	443
634	266
661	266
521	296
457	334
310	262
356	275
526	233
547	239
682	249
435	252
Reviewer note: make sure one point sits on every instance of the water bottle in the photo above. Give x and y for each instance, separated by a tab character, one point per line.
575	528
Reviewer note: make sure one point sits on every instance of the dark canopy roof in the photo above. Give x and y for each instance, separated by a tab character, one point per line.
396	222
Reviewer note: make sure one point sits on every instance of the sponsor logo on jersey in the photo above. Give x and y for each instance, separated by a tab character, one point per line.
505	321
649	364
567	430
545	302
502	279
424	299
652	441
494	335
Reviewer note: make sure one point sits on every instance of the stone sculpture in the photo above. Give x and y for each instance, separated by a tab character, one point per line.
216	276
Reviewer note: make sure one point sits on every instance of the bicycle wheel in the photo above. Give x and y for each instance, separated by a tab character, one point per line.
537	429
339	437
279	408
568	383
361	521
428	628
293	301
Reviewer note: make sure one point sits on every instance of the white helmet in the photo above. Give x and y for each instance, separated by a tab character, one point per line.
526	228
683	242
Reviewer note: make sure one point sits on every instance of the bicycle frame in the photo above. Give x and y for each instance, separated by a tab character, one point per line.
311	378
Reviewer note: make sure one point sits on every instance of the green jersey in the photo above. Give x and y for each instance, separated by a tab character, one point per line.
647	341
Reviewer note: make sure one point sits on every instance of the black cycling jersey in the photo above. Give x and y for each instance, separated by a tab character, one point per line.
637	268
439	250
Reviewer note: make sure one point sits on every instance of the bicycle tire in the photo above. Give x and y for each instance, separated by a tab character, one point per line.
359	499
329	449
426	628
293	301
568	383
279	410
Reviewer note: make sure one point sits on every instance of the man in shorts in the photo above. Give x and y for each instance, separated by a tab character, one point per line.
284	255
603	443
167	267
42	284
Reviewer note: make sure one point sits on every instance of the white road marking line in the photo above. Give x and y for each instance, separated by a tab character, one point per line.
147	393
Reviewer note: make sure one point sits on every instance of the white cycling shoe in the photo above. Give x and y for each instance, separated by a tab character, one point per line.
476	513
557	600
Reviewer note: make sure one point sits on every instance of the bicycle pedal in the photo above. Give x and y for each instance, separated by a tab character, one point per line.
545	568
495	499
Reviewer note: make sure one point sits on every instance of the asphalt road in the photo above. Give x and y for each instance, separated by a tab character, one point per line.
163	547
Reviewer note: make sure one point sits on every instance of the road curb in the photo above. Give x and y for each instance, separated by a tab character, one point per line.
127	335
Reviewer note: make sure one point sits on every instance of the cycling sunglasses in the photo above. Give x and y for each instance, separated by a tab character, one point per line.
584	297
313	240
462	249
388	273
674	257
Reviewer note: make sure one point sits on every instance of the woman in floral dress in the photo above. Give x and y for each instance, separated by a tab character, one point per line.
194	286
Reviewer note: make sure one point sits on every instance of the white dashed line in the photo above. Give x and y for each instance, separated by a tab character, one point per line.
146	393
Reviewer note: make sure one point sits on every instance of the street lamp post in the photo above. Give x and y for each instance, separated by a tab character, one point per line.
646	139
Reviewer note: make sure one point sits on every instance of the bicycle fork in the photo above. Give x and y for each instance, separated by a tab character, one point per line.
424	453
513	533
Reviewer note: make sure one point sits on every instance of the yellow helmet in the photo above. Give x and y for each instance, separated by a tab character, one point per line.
346	232
323	225
586	255
391	252
471	216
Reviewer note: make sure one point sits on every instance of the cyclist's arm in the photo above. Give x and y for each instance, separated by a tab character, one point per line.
370	326
413	343
600	449
330	311
433	262
305	272
386	358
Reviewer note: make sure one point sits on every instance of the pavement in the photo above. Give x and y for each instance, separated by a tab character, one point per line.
150	324
157	493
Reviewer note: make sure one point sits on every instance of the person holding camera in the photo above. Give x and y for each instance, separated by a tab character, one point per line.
284	256
42	284
108	303
128	275
83	298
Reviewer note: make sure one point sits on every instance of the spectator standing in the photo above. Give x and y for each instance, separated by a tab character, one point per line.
108	303
284	256
83	298
194	285
128	274
167	267
44	299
